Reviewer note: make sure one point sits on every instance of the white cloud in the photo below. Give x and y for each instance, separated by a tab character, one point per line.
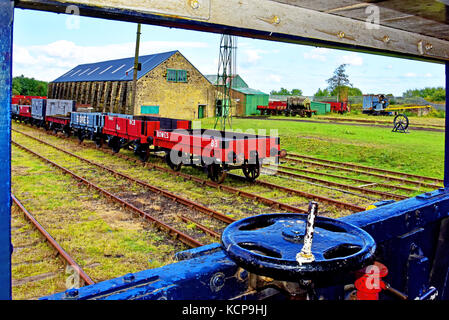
253	55
352	59
317	54
47	62
275	78
410	75
428	75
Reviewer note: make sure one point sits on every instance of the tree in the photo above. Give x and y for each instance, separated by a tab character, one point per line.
322	93
339	79
437	94
353	92
281	92
29	86
286	92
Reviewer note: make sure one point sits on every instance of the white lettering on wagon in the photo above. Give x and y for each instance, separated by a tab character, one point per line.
162	134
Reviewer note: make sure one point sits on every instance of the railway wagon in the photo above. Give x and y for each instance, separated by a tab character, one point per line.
217	151
339	107
273	108
25	113
38	111
24	100
121	131
57	115
87	125
14	111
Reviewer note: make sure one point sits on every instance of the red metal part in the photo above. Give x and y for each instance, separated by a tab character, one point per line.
369	281
25	111
339	107
215	144
60	120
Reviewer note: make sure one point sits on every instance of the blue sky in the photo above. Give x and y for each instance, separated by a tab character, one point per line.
46	45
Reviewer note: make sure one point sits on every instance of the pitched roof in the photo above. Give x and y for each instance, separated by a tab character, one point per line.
250	91
237	81
114	70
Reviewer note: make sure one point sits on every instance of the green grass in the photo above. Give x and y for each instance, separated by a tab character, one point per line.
418	152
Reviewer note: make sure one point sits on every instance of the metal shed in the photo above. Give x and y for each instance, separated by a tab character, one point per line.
251	99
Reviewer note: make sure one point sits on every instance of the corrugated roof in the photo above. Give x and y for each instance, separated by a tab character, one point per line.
249	91
114	70
237	81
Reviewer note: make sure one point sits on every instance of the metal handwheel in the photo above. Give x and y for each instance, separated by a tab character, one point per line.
270	244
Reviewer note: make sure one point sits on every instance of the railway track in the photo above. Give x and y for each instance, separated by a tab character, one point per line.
364	183
358	166
342	167
183	237
239	192
383	195
59	252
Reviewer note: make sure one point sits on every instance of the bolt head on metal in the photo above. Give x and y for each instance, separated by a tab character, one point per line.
194	4
72	293
129	277
276	20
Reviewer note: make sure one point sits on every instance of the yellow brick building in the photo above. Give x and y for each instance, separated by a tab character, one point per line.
168	85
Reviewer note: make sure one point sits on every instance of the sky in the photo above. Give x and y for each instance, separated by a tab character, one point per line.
47	45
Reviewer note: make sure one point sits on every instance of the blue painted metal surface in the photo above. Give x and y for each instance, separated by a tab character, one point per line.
6	27
446	133
88	121
338	247
374	103
114	70
405	232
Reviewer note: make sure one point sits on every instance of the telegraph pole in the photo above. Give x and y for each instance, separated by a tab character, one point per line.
136	67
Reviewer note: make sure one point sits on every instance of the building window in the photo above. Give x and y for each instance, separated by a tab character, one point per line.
149	109
174	75
182	76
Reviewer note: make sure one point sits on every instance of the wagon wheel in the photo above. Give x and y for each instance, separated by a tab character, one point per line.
142	151
216	173
302	113
80	136
114	144
98	141
66	131
171	164
309	114
117	146
251	171
401	122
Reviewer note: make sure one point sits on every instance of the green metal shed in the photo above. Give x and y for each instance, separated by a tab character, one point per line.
253	98
320	107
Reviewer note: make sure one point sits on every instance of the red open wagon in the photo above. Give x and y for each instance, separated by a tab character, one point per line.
122	131
218	151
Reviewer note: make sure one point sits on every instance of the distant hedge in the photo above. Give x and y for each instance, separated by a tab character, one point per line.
28	86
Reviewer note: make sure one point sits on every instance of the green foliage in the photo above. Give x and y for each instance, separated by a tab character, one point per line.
339	79
286	92
29	86
322	93
352	92
437	94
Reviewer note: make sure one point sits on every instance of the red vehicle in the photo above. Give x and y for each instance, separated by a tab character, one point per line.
218	151
121	131
339	107
24	100
25	113
273	108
